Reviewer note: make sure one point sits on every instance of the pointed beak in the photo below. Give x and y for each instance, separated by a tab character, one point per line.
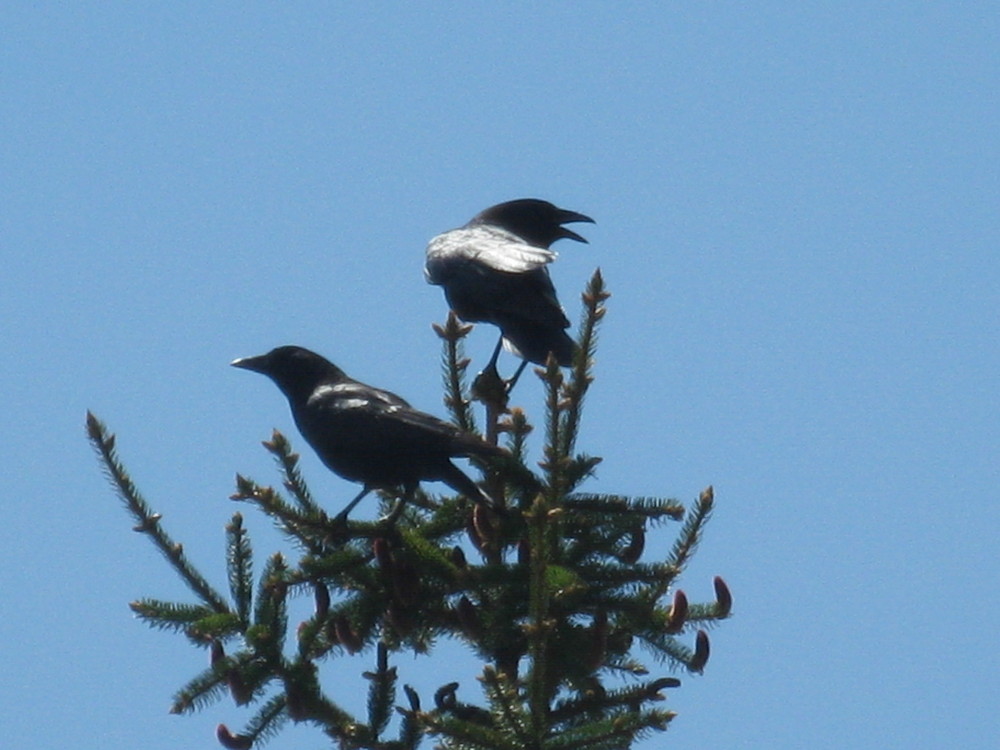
569	217
255	364
569	234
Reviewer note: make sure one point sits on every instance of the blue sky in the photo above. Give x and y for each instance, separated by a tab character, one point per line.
796	212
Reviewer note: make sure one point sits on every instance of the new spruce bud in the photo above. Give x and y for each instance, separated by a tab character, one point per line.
232	741
707	496
599	641
241	692
321	594
346	635
218	653
444	698
412	697
664	682
678	613
723	598
633	550
700	658
469	618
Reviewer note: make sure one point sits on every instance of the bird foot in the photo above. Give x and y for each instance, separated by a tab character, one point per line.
491	389
390	519
337	530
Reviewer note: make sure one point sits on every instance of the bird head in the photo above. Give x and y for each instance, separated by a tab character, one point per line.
295	370
537	222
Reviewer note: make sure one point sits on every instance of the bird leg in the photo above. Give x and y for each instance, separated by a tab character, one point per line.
510	383
492	365
489	387
397	509
342	516
490	371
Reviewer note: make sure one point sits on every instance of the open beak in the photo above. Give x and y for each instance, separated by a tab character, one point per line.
569	217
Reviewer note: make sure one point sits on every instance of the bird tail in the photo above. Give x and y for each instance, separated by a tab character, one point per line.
467	444
459	481
533	343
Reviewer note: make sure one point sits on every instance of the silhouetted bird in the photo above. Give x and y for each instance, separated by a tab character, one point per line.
493	270
365	434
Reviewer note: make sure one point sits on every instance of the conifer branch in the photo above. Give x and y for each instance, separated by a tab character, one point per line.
667	648
611	577
503	697
431	558
580	468
344	564
555	606
270	618
310	637
305	701
617	731
410	730
630	667
602	505
242	674
466	735
169	615
580	377
690	534
382	691
453	367
281	449
521	482
635	695
239	559
538	615
298	526
268	720
719	610
148	522
706	614
555	459
517	426
202	691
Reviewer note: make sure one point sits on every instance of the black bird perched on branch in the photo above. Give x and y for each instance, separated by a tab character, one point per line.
365	434
493	270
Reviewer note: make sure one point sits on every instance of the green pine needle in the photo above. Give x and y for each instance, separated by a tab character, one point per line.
148	522
239	559
552	590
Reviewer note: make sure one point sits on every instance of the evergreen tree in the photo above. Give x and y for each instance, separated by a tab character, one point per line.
549	590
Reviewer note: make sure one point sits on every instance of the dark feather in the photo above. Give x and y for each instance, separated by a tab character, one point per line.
366	434
493	270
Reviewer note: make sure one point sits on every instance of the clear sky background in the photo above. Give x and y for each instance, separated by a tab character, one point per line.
797	214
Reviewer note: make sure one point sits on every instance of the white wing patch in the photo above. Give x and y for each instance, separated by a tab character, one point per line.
354	396
324	391
490	246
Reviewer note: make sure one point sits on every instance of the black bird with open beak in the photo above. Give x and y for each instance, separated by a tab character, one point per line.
368	435
493	270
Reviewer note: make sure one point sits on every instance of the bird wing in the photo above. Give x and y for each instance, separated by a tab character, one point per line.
481	295
491	247
428	429
491	275
357	417
338	395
